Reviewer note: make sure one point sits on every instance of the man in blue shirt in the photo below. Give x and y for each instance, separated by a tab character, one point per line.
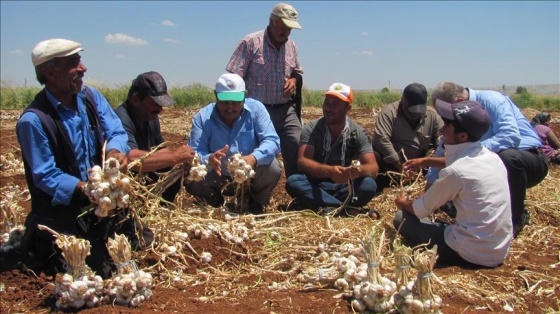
61	135
510	136
235	124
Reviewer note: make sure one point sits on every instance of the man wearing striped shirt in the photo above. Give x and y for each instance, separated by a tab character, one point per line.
268	62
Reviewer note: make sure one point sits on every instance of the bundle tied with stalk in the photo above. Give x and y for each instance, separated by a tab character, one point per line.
241	174
419	297
129	286
375	293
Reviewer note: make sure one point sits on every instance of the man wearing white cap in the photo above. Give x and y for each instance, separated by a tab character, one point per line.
235	124
61	135
327	149
268	62
404	129
475	180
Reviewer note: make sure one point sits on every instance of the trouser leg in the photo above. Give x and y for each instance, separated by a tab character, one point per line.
312	194
288	127
265	180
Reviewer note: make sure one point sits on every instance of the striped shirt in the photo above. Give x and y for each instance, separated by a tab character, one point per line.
263	67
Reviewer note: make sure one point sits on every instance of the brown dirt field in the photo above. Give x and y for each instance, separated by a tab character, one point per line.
237	278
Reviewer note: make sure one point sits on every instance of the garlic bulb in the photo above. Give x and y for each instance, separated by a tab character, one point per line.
108	188
197	171
239	170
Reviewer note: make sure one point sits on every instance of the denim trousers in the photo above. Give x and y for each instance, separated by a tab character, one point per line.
318	193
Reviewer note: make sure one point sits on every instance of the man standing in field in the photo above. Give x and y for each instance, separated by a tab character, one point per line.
474	179
61	135
139	115
235	124
328	148
404	130
268	62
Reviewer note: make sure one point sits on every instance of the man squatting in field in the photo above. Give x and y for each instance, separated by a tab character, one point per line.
61	134
474	179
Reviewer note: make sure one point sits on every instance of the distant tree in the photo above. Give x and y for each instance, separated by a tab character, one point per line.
385	90
504	88
521	90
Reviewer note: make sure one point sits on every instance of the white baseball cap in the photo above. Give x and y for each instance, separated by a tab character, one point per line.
341	91
230	87
53	48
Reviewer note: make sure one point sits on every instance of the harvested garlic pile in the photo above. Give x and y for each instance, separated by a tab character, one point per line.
198	171
375	293
419	297
129	286
11	165
76	293
108	188
239	170
80	286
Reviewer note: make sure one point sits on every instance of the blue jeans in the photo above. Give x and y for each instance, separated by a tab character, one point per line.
317	193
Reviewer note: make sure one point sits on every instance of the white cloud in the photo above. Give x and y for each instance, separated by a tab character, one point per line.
168	23
122	57
365	34
120	38
17	52
171	40
367	53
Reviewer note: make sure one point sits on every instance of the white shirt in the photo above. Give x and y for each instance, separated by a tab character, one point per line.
475	179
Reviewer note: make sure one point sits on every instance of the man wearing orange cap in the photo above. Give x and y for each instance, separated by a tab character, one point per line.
268	62
327	155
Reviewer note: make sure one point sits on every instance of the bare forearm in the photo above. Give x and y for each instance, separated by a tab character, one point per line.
163	158
314	169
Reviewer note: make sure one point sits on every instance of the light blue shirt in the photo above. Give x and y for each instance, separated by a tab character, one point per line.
35	146
252	133
509	128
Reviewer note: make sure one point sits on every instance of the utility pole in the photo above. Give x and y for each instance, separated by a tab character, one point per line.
389	85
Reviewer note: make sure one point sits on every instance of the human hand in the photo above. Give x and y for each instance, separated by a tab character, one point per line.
183	154
339	174
120	157
402	201
289	87
415	164
215	160
250	160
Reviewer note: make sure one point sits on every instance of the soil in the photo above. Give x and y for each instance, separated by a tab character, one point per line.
528	280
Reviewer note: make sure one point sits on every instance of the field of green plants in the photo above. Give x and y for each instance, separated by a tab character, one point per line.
198	95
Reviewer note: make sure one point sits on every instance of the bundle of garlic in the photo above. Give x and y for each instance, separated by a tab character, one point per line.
375	293
108	188
239	170
419	297
198	171
129	286
403	260
75	293
80	286
11	165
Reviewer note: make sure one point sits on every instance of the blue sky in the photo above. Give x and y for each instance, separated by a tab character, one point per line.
365	44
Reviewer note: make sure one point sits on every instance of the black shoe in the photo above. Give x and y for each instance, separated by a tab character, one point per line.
351	211
518	227
294	205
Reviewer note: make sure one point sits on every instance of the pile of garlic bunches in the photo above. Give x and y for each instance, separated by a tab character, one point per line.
198	171
75	294
108	188
131	289
239	170
11	165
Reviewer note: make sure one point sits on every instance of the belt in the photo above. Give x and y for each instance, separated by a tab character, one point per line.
277	105
537	151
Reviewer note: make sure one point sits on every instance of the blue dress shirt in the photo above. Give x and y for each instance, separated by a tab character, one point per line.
252	133
37	151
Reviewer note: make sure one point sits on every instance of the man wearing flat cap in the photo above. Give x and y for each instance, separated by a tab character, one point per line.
147	96
61	135
268	61
475	180
329	149
404	129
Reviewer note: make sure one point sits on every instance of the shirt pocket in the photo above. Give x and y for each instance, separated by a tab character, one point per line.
246	142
